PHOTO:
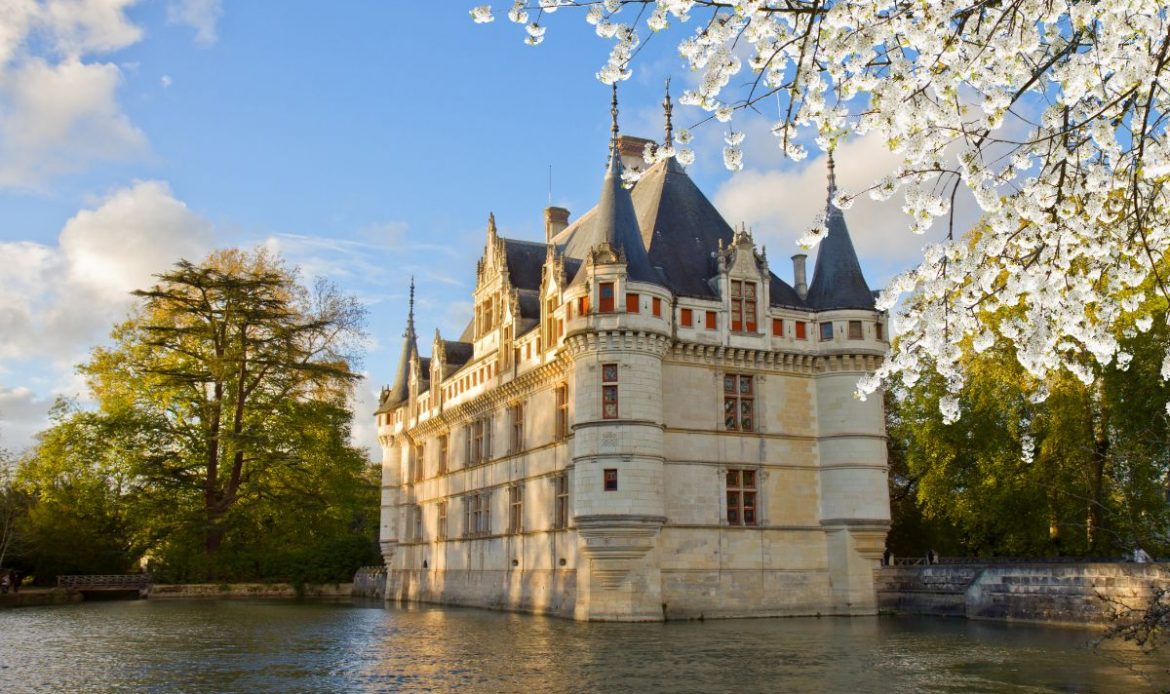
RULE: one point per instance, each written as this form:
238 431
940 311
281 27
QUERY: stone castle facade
642 422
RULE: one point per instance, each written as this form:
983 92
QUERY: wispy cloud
201 15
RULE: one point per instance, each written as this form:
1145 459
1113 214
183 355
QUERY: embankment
1080 594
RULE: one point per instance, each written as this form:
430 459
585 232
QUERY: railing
981 561
106 582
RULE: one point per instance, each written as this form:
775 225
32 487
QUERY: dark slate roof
525 262
782 294
683 230
456 354
529 303
615 220
399 391
837 281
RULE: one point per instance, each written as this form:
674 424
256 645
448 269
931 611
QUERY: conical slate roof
837 281
399 391
618 223
682 230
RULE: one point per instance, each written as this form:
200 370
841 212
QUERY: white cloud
56 301
166 81
59 118
364 434
22 414
58 107
780 205
201 15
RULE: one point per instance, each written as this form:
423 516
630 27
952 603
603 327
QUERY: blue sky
367 141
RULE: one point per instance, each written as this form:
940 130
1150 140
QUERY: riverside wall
187 591
370 582
1075 594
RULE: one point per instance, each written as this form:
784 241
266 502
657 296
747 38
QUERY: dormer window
605 297
486 316
743 306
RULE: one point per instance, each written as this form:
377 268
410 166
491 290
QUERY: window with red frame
743 306
605 297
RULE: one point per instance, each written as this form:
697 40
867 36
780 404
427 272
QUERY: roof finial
832 175
613 128
410 312
666 108
491 223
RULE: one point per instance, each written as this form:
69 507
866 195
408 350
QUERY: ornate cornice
524 384
583 341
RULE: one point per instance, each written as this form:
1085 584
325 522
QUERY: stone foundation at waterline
1077 594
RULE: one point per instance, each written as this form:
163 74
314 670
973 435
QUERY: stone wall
184 591
1051 593
370 582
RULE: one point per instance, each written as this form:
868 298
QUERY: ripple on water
238 646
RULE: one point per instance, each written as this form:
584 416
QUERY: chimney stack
633 151
556 219
799 281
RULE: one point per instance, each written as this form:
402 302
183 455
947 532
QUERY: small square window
777 327
826 331
687 317
711 324
879 331
801 330
610 480
854 330
657 306
631 303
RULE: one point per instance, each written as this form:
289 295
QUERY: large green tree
1062 466
222 426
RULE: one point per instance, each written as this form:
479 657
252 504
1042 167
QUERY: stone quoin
642 422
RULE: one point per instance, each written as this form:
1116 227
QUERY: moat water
225 646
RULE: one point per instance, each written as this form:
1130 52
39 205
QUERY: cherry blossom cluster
1051 116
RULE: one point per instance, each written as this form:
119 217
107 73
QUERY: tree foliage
1056 467
220 445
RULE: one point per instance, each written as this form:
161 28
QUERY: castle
642 422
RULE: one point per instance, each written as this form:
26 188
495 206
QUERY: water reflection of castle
642 422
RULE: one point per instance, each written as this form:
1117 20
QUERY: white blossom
482 14
1049 116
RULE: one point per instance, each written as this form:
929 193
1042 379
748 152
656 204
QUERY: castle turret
399 391
617 344
853 464
837 281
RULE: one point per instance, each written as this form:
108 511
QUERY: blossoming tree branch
1052 115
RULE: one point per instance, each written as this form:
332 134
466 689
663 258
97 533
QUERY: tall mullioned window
562 429
561 510
420 456
741 497
609 391
443 454
739 402
743 306
516 508
479 441
516 413
441 513
416 523
477 514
